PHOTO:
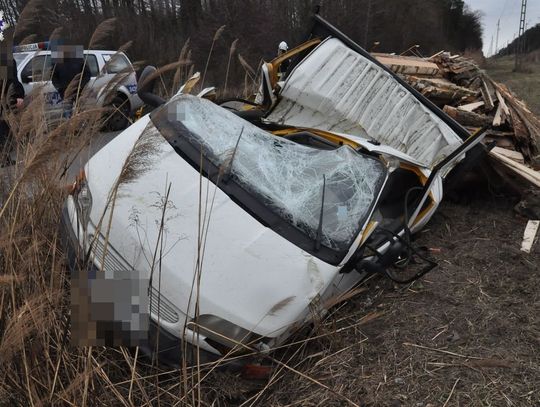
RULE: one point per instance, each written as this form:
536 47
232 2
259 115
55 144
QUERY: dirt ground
467 334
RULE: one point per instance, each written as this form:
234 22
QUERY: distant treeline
531 42
159 29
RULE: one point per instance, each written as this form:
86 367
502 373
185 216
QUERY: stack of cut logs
467 94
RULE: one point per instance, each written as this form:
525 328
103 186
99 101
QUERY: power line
503 9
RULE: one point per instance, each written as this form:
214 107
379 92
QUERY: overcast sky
508 11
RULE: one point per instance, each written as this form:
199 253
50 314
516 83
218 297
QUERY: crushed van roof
338 90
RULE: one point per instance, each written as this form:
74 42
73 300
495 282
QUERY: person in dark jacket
12 89
12 99
69 66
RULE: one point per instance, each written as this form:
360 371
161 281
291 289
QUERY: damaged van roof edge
323 29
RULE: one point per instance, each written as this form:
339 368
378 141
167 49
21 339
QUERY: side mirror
26 79
145 87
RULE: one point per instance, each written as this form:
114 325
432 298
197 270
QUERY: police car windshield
19 58
116 63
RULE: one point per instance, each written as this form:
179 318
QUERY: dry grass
34 306
39 367
216 37
102 34
232 51
179 75
30 16
524 84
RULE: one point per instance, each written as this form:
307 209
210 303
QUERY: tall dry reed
216 37
38 366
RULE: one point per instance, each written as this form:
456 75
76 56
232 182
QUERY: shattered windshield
286 177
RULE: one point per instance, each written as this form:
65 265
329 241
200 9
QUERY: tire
120 116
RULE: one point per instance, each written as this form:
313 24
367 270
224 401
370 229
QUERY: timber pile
467 94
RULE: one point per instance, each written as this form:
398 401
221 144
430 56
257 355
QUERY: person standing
12 100
282 70
15 91
70 72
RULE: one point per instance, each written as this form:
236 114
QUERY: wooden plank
503 142
436 55
486 95
490 88
495 133
513 155
522 136
524 172
445 83
529 235
524 122
441 91
502 102
408 65
471 106
475 84
467 118
465 72
497 120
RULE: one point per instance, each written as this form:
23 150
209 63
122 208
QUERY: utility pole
497 40
521 36
490 51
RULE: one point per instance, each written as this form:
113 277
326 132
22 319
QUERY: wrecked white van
245 229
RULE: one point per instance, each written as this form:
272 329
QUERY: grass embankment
525 84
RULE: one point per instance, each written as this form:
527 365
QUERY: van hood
249 275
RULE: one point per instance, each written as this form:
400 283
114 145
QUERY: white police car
34 69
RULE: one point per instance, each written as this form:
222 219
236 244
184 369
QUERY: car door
94 84
36 77
118 64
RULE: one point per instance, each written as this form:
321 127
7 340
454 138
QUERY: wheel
119 118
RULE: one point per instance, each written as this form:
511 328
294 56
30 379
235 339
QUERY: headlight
224 335
83 199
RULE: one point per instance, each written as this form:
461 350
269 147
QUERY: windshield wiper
319 228
227 173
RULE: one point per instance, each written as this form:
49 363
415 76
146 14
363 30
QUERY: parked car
34 69
249 222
